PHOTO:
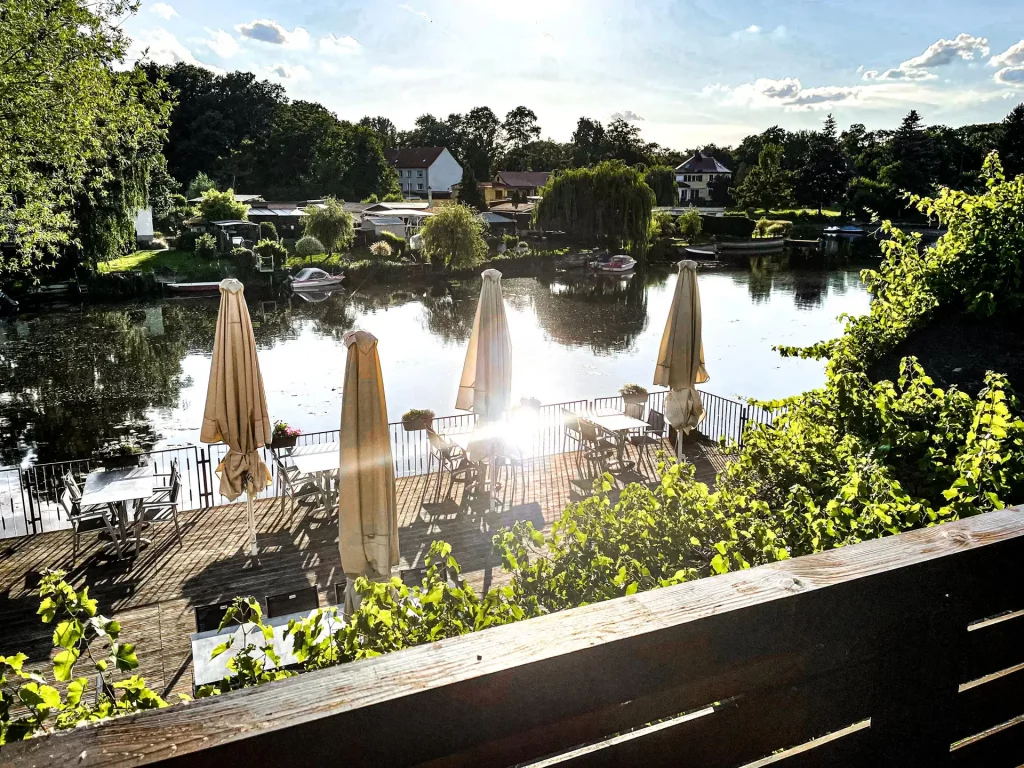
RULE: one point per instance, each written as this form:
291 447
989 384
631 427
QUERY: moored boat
194 287
314 279
700 253
614 264
753 244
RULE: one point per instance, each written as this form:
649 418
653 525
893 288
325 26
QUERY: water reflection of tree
75 381
603 313
333 317
809 288
449 311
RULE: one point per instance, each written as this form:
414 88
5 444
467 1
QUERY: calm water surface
76 378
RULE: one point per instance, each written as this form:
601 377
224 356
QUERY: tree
623 142
767 185
718 189
67 121
469 190
690 223
825 173
222 206
330 223
200 184
520 127
453 237
384 128
308 246
662 181
1011 142
480 130
588 142
609 201
268 231
912 158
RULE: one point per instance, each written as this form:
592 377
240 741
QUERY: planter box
121 462
417 424
283 441
634 405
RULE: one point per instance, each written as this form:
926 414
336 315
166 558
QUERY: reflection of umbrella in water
236 406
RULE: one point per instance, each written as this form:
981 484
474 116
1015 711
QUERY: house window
419 186
419 174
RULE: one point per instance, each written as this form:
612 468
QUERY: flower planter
415 425
121 462
283 441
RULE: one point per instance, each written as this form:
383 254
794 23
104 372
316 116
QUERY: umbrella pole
252 523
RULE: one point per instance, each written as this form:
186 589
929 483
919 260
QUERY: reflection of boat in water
313 279
849 230
753 244
614 264
315 297
707 252
194 288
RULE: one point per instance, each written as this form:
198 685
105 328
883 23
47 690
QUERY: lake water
75 378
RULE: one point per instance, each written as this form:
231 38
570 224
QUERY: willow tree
609 201
662 181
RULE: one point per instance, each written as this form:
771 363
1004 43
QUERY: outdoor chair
305 599
451 461
71 486
509 469
650 438
209 617
571 431
163 501
295 485
95 518
591 461
169 474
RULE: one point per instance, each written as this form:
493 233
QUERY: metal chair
169 474
305 599
509 468
81 519
591 461
295 485
209 617
71 486
451 460
654 435
571 429
162 501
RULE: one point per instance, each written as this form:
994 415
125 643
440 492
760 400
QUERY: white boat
313 279
615 264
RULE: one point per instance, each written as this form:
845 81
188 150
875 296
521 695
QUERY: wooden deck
153 595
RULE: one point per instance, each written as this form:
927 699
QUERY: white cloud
163 10
750 31
790 94
162 47
628 115
296 73
339 46
268 31
222 43
422 14
941 53
1013 76
1011 57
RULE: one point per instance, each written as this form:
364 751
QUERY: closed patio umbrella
236 407
367 509
486 384
681 355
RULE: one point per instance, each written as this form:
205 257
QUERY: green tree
610 201
520 128
268 231
308 246
68 123
825 174
199 185
690 223
589 144
222 206
662 181
912 157
767 185
384 128
1011 142
623 142
453 237
330 223
480 143
469 190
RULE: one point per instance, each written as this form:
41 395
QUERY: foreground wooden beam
883 648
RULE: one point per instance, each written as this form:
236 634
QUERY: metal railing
29 496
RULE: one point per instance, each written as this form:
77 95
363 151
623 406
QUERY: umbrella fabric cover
486 384
236 407
367 510
681 355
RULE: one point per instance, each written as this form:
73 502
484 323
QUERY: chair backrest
438 443
339 591
71 486
210 616
570 420
68 503
656 422
588 431
305 599
175 485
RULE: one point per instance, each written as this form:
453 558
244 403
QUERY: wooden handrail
882 646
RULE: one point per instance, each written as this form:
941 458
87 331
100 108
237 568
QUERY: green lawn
828 213
180 262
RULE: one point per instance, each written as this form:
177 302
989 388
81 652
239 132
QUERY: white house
423 169
695 175
144 226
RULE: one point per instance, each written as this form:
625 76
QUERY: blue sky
687 72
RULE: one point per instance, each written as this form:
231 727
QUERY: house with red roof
425 171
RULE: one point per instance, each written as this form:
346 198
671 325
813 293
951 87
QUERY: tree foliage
308 246
222 206
662 181
768 185
825 174
469 191
690 223
610 201
199 185
453 237
331 224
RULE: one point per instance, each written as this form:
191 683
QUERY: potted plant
635 398
120 456
284 436
417 418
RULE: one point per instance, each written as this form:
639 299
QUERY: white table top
207 670
320 457
465 439
115 485
616 422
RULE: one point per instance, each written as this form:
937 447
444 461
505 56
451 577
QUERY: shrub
381 250
243 255
308 247
510 240
398 244
415 414
632 389
394 197
729 226
272 248
454 237
221 206
371 199
331 224
662 225
186 241
206 246
690 223
268 231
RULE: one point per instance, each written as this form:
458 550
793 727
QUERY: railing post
743 425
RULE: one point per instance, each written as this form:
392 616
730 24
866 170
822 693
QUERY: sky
686 73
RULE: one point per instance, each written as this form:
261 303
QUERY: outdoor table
618 424
115 488
321 460
207 670
502 437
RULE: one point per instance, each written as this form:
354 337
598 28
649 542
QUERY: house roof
238 199
413 157
495 218
509 208
523 178
276 211
701 163
405 205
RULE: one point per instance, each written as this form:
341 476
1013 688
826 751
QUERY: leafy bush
415 414
771 228
453 237
690 223
267 248
206 246
662 225
221 206
243 255
371 199
331 224
398 244
510 240
729 226
381 250
28 705
309 246
268 231
186 241
394 197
